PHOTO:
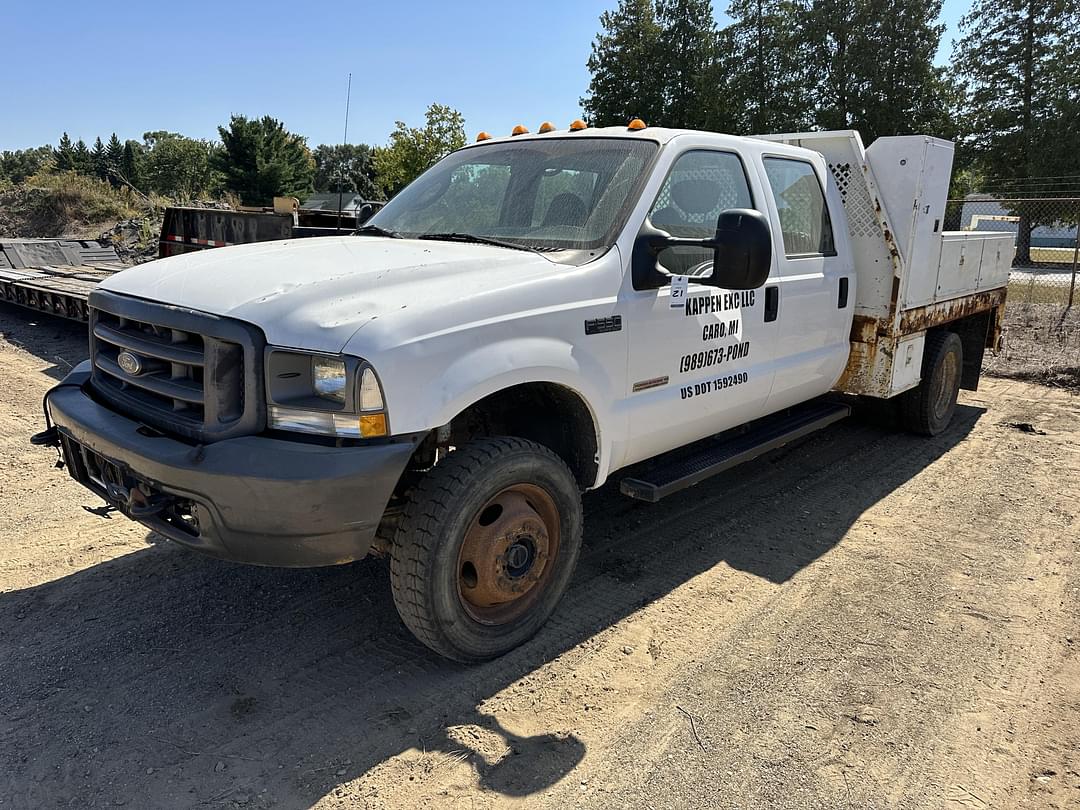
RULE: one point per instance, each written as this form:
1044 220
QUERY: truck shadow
163 679
59 342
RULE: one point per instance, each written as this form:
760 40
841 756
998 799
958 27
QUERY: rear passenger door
813 297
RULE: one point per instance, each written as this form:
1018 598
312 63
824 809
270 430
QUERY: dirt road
864 620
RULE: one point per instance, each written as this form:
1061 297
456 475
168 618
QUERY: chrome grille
183 372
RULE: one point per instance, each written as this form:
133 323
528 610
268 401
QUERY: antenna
344 143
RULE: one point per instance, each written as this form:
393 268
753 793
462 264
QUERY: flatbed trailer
55 275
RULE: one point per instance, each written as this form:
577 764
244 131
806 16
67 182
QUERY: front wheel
486 547
929 408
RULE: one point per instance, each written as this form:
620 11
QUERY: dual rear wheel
929 408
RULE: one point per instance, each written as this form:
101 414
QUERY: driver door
705 366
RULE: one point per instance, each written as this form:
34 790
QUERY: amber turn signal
373 425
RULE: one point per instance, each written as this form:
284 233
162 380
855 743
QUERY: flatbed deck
54 275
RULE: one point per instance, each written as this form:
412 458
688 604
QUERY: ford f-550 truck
530 315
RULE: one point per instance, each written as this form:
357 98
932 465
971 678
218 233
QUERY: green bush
63 204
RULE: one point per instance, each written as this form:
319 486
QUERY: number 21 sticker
679 286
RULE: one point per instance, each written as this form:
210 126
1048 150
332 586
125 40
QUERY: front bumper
252 499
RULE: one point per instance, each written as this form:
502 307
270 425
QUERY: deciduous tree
349 168
413 149
174 165
17 165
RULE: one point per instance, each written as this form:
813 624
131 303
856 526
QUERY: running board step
770 433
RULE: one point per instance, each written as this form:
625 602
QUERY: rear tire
929 408
486 547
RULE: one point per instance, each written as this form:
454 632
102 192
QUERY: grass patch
1041 291
64 204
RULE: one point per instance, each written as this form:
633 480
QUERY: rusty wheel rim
508 556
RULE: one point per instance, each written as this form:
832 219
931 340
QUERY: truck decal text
719 302
712 357
712 386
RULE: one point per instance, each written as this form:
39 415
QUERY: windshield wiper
474 239
375 230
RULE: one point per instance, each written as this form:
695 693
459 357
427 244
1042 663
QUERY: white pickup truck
529 316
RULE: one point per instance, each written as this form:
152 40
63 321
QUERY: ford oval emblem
130 363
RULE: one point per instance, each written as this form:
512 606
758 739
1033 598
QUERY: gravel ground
865 619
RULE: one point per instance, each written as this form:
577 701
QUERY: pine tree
762 79
687 52
97 159
905 92
260 159
625 64
129 164
1018 62
65 155
875 60
114 158
83 160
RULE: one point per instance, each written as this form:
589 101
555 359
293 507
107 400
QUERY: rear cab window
800 204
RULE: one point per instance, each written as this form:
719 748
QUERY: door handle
772 303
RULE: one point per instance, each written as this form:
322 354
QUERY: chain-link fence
1042 315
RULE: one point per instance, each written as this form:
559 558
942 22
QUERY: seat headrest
696 196
566 209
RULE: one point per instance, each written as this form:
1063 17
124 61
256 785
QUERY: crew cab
529 316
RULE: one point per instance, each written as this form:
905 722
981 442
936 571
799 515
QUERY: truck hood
316 293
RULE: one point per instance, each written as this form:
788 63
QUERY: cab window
700 185
800 203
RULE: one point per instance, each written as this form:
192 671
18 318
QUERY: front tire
486 547
929 408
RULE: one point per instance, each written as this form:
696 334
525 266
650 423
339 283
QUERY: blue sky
92 68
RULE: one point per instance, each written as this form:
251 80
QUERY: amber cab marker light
483 136
578 125
636 124
547 126
520 130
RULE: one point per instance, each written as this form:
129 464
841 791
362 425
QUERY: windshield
562 193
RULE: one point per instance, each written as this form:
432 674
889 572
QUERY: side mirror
742 252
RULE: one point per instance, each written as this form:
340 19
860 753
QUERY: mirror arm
647 271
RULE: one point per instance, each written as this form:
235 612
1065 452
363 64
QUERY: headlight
324 394
329 378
